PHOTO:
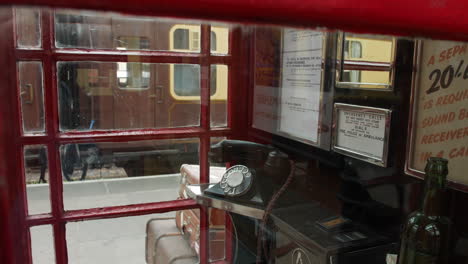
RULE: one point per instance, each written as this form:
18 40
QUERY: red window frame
15 181
368 16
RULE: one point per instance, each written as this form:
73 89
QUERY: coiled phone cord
260 242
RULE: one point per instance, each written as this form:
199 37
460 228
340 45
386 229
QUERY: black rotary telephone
257 171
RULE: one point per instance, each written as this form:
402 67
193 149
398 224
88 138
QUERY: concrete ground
116 241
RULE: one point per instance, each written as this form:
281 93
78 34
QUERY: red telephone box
253 131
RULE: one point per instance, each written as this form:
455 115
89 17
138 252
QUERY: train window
36 173
365 62
31 95
181 38
28 28
353 49
186 80
185 38
122 173
133 75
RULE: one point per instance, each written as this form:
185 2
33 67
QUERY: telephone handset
258 171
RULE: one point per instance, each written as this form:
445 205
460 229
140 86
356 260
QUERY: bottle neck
434 193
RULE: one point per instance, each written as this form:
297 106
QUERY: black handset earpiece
239 152
275 171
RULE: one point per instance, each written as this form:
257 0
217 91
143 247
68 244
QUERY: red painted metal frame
53 138
366 65
8 218
442 19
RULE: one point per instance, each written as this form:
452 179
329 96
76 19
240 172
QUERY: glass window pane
127 95
186 80
137 239
133 75
213 40
219 93
219 40
181 38
107 174
366 48
364 77
42 245
367 61
96 30
132 42
31 94
28 28
37 178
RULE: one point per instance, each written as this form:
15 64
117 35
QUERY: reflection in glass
127 95
42 245
368 48
108 173
367 61
219 94
184 38
28 28
31 95
95 30
181 39
366 76
133 75
37 178
186 80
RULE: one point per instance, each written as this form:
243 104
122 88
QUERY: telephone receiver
257 171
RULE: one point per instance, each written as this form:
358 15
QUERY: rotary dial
236 181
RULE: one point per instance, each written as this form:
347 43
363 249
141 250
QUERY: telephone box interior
133 135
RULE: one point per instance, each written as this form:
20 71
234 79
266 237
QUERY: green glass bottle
425 237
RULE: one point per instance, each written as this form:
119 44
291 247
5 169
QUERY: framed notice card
303 114
362 132
439 122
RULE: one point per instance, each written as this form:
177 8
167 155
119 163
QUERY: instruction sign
440 114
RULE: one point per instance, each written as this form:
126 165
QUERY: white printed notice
361 132
301 84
